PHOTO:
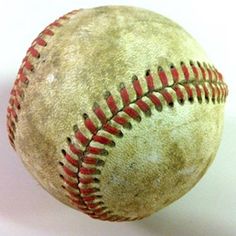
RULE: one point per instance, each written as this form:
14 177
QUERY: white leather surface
209 209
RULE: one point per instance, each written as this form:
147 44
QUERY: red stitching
86 181
217 92
83 197
220 76
102 139
174 73
155 100
143 106
74 149
40 41
132 113
90 160
198 91
74 196
22 80
205 91
85 173
69 172
185 71
92 205
162 76
98 211
100 113
28 65
17 94
111 103
213 91
195 71
111 129
167 96
96 150
63 18
215 74
13 92
149 80
20 94
79 203
56 24
89 124
209 73
33 52
202 70
87 191
188 90
70 159
137 86
90 198
120 120
124 95
179 93
81 138
71 184
47 32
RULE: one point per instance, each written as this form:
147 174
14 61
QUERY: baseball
116 111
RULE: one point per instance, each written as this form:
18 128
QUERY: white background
209 209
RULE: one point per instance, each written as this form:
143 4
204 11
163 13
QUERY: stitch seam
90 158
27 66
81 168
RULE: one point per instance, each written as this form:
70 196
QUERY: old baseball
116 111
